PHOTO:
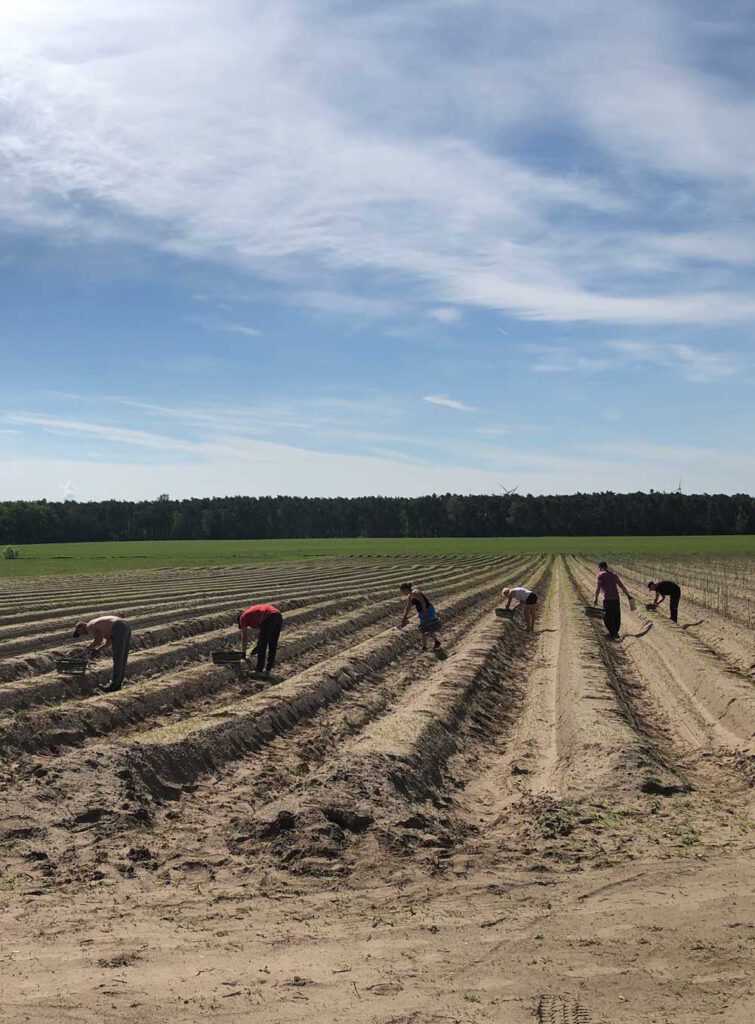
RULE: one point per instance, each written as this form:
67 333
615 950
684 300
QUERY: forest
435 515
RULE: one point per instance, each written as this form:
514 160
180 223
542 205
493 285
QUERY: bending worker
527 599
108 630
608 584
667 589
269 621
428 618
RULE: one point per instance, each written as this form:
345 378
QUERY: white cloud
449 403
686 361
693 364
554 360
445 314
238 329
121 463
201 130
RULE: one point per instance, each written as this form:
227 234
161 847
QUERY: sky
330 248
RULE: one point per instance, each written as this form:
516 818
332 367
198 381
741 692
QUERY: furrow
196 639
75 721
127 776
400 758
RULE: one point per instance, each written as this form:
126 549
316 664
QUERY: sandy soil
535 827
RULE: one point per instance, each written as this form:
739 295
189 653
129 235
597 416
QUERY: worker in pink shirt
608 584
268 620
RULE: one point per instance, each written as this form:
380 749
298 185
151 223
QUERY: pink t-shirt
606 581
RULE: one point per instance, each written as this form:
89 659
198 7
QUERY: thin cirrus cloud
198 130
216 462
689 362
253 332
447 403
694 364
445 314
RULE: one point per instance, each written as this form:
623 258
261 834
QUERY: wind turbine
508 491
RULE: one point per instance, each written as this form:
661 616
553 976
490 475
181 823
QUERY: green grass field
45 559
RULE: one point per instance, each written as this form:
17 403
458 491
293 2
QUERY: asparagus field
543 826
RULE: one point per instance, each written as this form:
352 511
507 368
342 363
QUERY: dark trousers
612 616
673 604
121 637
270 630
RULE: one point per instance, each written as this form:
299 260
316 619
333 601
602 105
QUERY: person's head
602 565
505 592
80 630
651 585
406 588
238 619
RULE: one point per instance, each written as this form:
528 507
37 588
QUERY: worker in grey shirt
108 630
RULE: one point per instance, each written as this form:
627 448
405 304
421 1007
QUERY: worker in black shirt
666 589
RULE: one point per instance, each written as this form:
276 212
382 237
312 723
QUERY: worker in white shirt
527 599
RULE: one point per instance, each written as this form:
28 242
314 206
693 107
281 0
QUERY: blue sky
325 248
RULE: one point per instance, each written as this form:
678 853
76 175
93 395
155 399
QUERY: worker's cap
602 565
81 628
651 585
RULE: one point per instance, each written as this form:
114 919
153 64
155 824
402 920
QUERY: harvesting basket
71 666
227 657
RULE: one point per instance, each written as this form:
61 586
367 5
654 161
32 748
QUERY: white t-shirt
521 594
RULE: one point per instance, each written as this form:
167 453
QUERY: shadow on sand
643 632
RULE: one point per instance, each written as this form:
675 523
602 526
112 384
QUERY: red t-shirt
254 617
606 581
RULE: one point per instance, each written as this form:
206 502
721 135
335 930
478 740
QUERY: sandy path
569 736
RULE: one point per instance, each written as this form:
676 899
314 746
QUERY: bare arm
508 600
597 592
407 609
244 638
623 587
659 598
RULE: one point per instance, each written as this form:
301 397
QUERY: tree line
435 515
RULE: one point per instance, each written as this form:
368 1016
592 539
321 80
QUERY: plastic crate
71 666
227 657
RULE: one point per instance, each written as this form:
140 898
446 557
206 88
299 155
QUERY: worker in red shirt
269 621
